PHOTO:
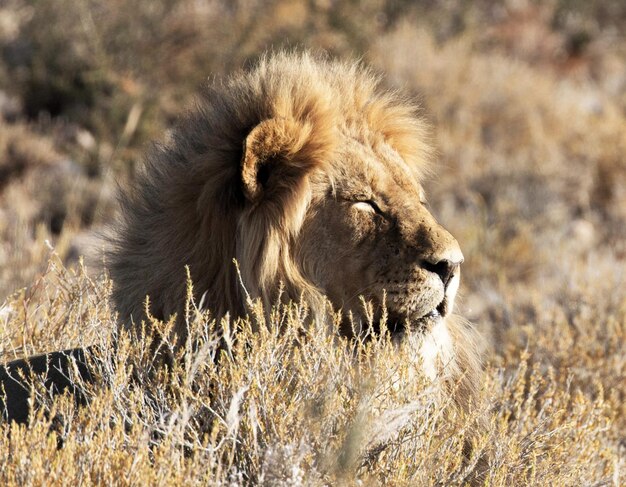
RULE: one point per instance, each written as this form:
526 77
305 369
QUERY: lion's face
368 234
307 173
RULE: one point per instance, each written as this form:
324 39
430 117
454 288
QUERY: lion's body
308 173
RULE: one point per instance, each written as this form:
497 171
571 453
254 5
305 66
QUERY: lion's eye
369 206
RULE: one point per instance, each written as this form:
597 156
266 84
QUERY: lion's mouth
399 325
442 308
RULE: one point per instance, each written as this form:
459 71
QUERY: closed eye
369 206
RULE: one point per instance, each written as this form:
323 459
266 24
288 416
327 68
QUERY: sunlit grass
283 401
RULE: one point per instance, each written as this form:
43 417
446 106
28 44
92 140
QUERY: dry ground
528 106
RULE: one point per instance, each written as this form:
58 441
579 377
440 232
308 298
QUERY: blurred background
527 100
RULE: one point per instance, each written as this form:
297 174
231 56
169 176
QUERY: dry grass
529 108
291 405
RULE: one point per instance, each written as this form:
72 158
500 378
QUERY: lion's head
367 233
308 172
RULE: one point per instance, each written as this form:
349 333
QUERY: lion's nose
444 268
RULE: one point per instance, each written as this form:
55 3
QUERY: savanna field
527 103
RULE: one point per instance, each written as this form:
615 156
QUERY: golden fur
307 171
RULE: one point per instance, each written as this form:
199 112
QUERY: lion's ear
277 153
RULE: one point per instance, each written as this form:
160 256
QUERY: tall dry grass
528 106
290 404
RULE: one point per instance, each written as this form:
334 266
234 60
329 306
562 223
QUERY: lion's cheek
361 227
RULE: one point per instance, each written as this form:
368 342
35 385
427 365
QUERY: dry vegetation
528 101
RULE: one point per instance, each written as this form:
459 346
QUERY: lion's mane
187 206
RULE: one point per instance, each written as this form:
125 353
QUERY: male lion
308 173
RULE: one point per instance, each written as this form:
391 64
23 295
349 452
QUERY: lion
308 172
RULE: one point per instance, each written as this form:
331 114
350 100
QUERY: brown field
528 106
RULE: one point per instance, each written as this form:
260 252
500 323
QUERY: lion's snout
445 269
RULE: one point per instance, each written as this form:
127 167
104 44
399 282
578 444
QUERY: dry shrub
44 196
292 405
